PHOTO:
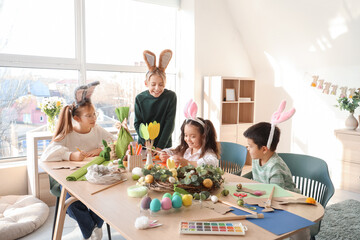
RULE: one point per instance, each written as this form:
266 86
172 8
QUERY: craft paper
79 175
279 192
124 137
278 222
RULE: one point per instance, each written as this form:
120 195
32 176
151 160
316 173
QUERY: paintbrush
230 218
268 207
154 150
238 207
121 181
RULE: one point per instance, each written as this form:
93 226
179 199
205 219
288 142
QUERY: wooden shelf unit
230 118
350 161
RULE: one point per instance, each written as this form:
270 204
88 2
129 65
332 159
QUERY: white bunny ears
190 112
83 93
278 117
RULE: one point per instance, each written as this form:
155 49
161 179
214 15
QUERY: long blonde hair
64 125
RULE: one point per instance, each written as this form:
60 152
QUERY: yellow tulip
154 130
58 103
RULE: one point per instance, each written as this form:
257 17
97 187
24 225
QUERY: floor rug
341 221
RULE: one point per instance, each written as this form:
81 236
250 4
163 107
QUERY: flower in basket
51 107
349 103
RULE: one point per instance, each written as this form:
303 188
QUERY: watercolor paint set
212 228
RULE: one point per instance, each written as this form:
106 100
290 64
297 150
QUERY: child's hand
164 156
94 152
77 156
180 160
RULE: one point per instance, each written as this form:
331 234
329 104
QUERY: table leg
60 218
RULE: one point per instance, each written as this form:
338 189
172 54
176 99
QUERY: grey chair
232 157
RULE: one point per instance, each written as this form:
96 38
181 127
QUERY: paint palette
213 228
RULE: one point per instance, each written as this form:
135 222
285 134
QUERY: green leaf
187 181
146 171
194 178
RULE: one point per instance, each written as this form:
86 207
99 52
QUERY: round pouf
21 215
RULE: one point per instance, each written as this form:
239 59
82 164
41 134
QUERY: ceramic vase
351 123
149 160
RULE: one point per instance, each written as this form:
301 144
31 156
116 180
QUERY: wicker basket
169 187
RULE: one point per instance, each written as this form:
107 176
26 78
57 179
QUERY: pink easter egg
166 203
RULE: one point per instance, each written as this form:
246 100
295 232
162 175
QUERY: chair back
232 157
311 176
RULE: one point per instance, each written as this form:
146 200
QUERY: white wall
13 179
217 46
302 38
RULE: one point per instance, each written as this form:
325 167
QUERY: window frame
79 62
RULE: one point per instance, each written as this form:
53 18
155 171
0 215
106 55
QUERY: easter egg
172 180
145 202
187 200
135 177
155 205
208 183
137 171
176 201
168 195
166 203
149 178
176 194
214 199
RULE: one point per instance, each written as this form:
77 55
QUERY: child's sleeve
138 119
277 177
56 152
169 125
208 159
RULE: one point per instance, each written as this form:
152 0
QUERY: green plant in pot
350 104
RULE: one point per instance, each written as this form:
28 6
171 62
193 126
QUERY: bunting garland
325 87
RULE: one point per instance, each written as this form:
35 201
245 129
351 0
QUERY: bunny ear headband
190 111
83 93
278 117
150 59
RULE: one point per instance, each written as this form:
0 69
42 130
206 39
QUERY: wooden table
120 211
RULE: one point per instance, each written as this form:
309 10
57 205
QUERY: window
42 54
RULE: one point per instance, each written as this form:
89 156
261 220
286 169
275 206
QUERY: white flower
51 106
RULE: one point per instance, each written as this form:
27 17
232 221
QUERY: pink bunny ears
278 117
190 112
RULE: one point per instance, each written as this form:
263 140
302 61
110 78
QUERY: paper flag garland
325 87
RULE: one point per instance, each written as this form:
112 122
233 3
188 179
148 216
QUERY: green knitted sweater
162 110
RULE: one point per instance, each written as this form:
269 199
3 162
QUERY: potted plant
350 104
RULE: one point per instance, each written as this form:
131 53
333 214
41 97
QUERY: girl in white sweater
75 142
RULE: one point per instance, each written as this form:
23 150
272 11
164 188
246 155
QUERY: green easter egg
175 194
168 195
135 177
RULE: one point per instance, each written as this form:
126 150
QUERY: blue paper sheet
277 222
